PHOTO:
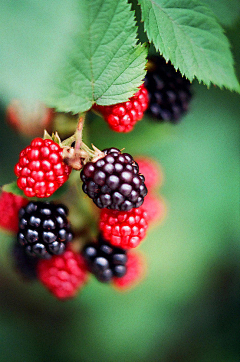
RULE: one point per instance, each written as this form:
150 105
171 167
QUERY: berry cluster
116 183
117 186
122 117
44 251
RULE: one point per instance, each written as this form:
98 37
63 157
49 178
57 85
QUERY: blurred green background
188 307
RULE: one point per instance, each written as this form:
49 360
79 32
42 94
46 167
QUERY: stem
78 133
79 155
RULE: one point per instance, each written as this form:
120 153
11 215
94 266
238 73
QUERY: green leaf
14 189
104 64
227 12
187 33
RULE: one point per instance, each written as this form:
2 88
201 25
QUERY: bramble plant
120 60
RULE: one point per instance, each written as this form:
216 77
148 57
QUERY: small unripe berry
122 117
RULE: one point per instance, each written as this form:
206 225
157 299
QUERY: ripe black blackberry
44 229
24 264
114 181
104 260
169 92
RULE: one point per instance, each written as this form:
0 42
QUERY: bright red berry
41 170
136 270
125 229
122 117
151 171
10 205
29 119
155 208
63 275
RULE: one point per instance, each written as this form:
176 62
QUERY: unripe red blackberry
63 275
125 229
41 170
114 181
122 117
104 260
169 91
44 229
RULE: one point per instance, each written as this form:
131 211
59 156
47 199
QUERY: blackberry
24 264
44 229
114 181
104 260
169 92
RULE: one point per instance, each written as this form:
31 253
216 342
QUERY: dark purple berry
44 229
114 181
169 92
104 260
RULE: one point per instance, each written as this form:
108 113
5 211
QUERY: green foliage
104 64
227 12
187 33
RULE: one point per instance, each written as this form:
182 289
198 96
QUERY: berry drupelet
169 92
41 170
114 181
122 117
44 229
104 260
